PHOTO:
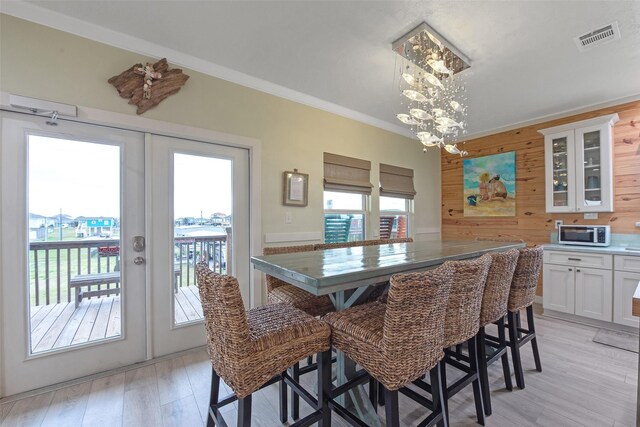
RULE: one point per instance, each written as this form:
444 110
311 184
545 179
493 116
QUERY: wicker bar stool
355 243
494 310
279 291
252 349
522 296
397 342
462 325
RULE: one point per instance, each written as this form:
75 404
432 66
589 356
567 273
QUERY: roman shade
396 182
347 174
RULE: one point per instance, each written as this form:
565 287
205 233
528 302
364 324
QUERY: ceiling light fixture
434 92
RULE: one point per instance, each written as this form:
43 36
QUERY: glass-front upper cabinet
578 166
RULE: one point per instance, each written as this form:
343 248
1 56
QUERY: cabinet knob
571 269
578 270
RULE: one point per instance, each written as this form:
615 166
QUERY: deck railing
53 264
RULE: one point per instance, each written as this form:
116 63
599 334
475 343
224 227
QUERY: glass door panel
74 242
201 219
560 172
592 168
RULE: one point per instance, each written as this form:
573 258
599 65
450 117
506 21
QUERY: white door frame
91 115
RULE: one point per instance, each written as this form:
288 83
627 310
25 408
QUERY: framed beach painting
490 185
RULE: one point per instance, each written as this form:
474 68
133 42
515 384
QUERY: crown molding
553 116
58 21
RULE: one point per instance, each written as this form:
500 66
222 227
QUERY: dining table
347 275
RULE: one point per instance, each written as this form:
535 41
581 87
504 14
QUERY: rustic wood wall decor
147 86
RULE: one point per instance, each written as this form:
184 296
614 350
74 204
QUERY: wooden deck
60 325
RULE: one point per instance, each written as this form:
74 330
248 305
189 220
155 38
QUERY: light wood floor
582 384
59 325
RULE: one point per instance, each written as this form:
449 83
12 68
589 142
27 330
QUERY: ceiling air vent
597 37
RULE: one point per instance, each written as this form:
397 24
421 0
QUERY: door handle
138 260
574 259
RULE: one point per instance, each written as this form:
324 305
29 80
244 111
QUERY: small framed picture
296 187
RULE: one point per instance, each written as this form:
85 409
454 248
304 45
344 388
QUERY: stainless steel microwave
586 235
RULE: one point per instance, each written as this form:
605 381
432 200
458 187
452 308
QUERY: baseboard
589 322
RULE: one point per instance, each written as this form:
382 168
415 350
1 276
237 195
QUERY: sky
83 179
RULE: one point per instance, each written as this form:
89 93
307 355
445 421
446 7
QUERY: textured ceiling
525 64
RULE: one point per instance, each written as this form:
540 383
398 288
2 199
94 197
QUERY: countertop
610 250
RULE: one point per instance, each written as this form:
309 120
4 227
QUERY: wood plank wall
531 223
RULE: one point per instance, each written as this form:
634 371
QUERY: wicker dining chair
356 243
399 341
522 295
462 325
279 291
252 349
494 309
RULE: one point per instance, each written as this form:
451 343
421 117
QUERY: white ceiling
337 55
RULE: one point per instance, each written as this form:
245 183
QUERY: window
346 183
394 217
344 216
396 194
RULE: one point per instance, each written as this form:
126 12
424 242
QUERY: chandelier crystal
434 93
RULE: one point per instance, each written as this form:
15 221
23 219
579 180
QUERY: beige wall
40 62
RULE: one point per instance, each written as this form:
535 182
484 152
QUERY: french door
101 229
199 208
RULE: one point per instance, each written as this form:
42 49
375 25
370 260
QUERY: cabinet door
558 288
593 169
624 286
560 172
594 293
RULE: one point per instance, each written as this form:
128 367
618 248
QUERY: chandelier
433 92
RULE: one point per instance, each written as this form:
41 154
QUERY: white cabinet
594 293
558 283
572 285
626 278
578 166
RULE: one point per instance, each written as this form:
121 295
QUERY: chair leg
324 387
534 341
483 373
505 359
373 392
477 393
295 399
244 412
391 409
283 401
518 324
515 350
309 360
213 396
445 392
380 395
437 394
